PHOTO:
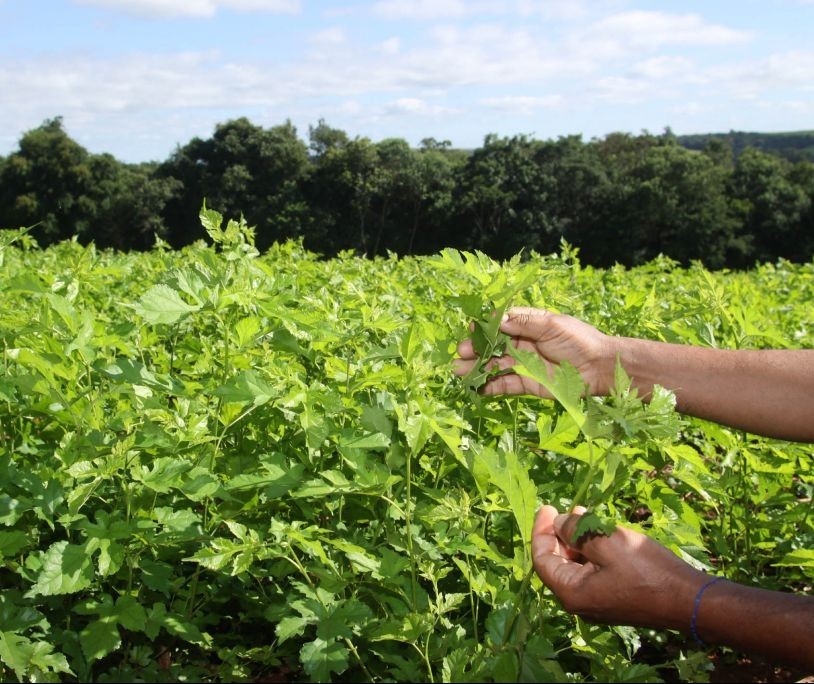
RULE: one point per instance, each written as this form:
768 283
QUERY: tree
323 137
340 193
501 190
54 182
773 206
428 190
47 182
242 169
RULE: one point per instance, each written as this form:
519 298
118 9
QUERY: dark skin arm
627 578
766 392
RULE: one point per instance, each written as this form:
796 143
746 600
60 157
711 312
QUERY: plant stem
507 631
586 481
408 518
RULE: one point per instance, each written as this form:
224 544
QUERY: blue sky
137 77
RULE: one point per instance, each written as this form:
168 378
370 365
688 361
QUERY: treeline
622 199
795 146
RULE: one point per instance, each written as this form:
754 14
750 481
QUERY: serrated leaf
343 619
591 524
247 330
162 304
247 387
503 469
292 625
99 638
320 658
15 652
66 569
130 614
563 381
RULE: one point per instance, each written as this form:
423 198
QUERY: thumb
550 557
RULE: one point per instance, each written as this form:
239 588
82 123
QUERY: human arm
767 392
627 578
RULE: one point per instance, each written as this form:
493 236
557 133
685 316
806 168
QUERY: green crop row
217 465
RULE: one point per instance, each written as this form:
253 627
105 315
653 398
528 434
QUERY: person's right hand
622 579
556 338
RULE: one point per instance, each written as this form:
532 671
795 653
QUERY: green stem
586 481
361 662
473 603
518 598
408 519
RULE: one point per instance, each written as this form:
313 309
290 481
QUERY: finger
544 525
544 522
598 548
504 384
466 349
462 366
525 322
564 577
546 550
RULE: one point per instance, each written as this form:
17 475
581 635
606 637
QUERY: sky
137 78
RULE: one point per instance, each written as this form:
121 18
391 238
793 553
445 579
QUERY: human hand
556 338
622 579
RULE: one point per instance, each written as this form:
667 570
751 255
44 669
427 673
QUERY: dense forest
621 199
794 146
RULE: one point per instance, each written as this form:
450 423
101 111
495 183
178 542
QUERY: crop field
217 465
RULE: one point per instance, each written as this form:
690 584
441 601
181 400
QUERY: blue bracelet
695 609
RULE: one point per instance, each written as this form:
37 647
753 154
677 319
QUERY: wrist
680 596
638 359
615 348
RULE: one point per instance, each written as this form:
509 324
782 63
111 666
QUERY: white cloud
665 66
776 72
524 105
624 90
431 9
450 9
554 9
162 9
329 37
391 46
628 33
413 105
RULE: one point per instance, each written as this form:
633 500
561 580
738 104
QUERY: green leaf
365 441
563 382
591 524
66 569
276 477
99 638
803 558
130 614
503 470
290 626
11 543
343 619
211 220
28 659
165 474
15 652
247 387
162 304
320 658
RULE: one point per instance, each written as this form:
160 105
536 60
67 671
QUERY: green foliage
217 465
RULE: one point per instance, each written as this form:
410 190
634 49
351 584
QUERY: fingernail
505 318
